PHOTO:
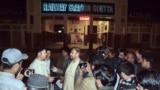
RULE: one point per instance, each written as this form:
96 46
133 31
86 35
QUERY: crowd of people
105 69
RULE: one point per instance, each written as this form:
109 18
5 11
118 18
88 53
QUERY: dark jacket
127 85
52 63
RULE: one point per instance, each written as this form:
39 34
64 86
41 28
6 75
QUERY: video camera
82 65
27 72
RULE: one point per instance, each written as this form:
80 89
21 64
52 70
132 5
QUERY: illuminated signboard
77 7
84 18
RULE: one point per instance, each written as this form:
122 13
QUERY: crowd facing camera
27 72
82 65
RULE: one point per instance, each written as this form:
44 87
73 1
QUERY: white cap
12 56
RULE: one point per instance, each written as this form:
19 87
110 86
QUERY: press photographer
85 79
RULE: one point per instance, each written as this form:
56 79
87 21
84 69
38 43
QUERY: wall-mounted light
59 31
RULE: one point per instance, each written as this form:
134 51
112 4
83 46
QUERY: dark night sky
12 8
17 8
146 6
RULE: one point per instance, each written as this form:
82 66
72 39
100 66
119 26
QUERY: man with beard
71 73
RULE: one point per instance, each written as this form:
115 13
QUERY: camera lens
83 65
27 72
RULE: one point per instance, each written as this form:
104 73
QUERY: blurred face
121 56
64 54
48 54
111 55
106 52
43 54
130 58
145 64
74 54
17 67
20 66
139 57
84 70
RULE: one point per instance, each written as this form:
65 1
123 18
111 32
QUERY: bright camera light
59 31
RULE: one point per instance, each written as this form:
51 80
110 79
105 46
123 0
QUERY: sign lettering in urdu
77 7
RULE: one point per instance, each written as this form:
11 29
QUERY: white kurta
69 76
40 67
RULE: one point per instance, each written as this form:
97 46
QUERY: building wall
119 30
120 17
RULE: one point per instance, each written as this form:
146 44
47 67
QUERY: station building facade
97 21
80 22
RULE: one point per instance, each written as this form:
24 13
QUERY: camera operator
103 51
104 77
85 78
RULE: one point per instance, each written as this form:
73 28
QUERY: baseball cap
12 56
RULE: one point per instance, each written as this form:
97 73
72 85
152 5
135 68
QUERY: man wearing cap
11 60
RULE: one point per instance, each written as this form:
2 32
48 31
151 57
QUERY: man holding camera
12 61
85 79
